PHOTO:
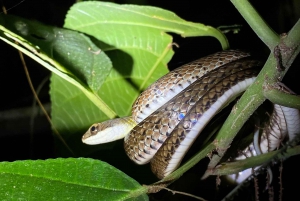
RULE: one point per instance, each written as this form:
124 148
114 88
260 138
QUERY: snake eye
94 129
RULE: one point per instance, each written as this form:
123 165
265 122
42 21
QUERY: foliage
105 55
66 179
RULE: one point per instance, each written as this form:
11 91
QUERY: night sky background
16 96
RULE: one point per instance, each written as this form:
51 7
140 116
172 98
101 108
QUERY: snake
171 113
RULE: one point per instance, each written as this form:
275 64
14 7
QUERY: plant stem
294 35
238 166
258 25
254 96
292 42
282 98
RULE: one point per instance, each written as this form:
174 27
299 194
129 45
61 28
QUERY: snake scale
169 115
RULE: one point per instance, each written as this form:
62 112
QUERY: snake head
108 131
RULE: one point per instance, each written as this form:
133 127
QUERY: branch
238 166
254 97
281 98
258 25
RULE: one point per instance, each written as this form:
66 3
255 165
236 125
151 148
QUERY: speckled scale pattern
147 137
163 155
155 95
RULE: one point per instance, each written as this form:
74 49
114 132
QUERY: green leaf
111 16
66 179
135 39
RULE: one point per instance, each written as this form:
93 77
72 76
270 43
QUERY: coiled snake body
169 115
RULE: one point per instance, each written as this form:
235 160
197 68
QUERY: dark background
16 126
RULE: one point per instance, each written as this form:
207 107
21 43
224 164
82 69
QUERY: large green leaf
66 179
135 39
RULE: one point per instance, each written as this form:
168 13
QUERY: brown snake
173 111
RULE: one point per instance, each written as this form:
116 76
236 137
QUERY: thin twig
40 104
34 113
178 192
5 11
